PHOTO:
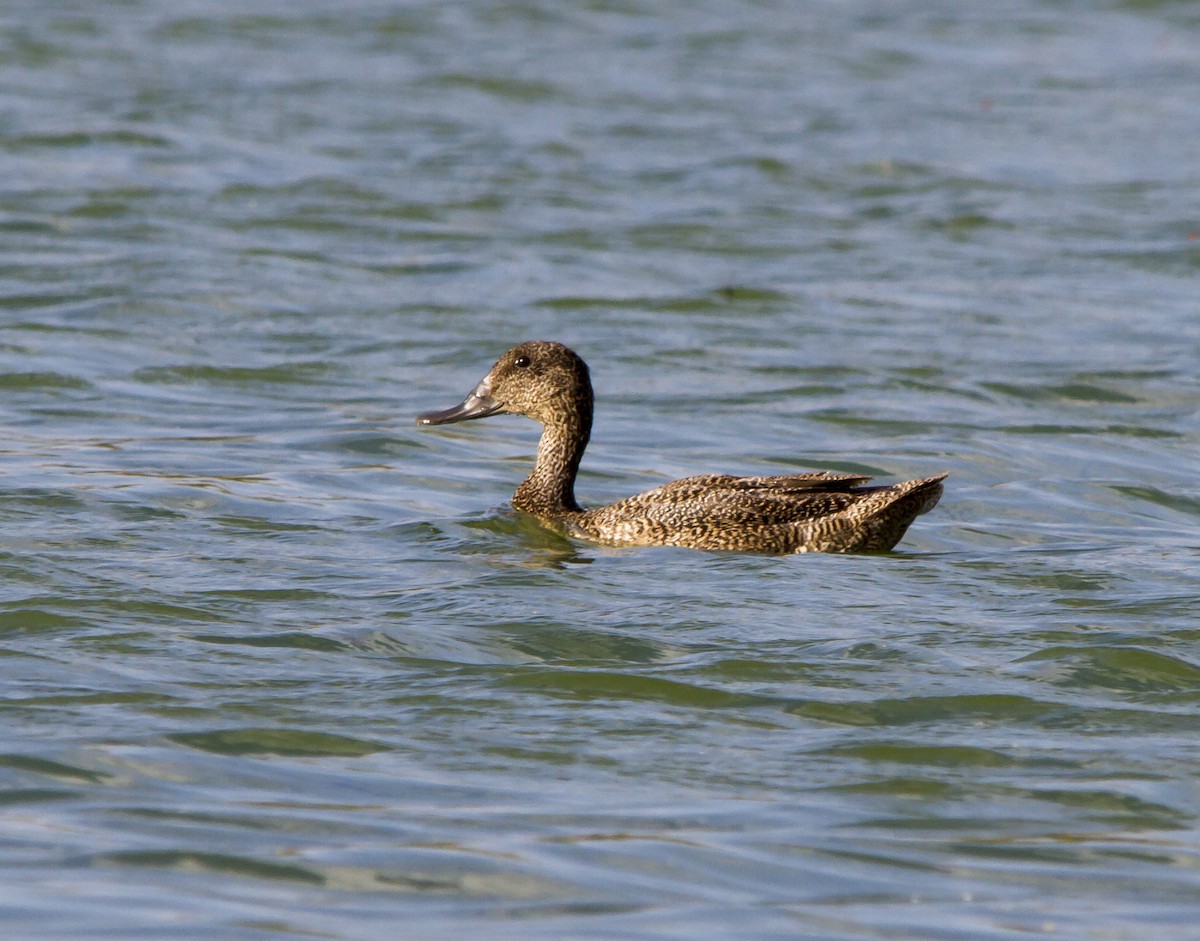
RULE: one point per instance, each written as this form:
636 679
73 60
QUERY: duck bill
476 405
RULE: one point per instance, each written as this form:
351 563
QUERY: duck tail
879 520
898 506
925 492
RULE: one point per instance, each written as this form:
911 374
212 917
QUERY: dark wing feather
787 483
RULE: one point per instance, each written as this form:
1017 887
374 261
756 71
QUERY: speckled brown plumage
816 512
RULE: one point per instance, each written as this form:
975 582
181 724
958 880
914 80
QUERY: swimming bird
813 512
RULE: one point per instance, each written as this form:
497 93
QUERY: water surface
277 663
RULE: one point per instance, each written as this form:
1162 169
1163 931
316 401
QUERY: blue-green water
278 664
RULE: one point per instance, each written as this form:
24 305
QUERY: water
277 663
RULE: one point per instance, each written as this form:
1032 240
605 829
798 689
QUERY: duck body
814 512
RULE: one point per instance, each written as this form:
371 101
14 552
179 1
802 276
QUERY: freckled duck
814 512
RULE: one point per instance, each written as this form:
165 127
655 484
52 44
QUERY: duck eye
521 361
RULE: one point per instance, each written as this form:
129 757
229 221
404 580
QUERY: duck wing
723 500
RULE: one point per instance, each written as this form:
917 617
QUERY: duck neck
549 491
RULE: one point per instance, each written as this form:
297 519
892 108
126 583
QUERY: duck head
542 380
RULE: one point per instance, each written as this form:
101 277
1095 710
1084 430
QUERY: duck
819 511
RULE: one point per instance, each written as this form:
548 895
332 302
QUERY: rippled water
277 663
